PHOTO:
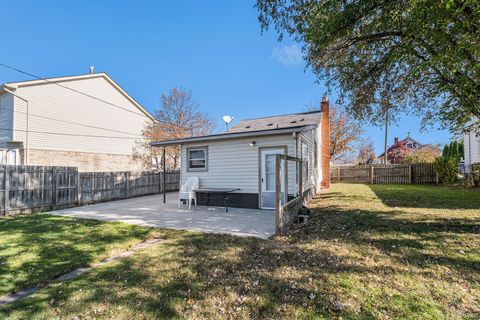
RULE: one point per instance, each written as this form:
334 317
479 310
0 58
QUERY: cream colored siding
6 118
234 163
314 172
53 101
472 150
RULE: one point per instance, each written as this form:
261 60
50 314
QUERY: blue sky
214 48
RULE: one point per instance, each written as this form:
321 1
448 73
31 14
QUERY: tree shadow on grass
195 275
397 234
200 275
37 248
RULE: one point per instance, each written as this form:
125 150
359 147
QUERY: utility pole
386 135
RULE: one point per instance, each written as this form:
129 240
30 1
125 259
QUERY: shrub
447 169
474 176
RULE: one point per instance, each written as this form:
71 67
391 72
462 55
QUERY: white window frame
202 148
9 157
12 157
3 156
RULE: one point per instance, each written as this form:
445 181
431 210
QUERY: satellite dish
227 119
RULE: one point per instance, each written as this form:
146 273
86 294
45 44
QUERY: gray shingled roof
278 122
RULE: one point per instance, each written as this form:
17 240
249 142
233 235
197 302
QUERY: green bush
475 175
447 169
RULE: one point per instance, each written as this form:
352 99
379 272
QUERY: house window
12 157
197 159
8 157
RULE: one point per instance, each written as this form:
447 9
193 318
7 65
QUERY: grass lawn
36 248
375 252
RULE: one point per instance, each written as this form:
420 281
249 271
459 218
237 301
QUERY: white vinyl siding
235 163
52 101
472 150
308 139
6 118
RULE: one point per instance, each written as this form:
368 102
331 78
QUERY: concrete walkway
151 211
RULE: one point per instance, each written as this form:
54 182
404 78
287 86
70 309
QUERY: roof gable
103 75
411 140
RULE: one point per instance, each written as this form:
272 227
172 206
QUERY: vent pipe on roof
92 68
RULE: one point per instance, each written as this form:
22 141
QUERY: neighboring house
86 121
411 144
244 156
472 149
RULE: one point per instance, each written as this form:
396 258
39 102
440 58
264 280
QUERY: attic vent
270 124
294 121
302 119
247 127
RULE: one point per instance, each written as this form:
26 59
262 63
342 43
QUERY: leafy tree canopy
420 56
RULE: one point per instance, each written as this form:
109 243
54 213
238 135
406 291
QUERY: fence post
410 176
127 184
437 178
278 204
78 188
338 174
371 174
7 190
54 188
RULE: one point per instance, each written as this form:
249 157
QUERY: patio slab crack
9 298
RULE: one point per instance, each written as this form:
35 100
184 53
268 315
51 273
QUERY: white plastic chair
186 192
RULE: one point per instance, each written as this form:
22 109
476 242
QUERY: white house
472 149
244 157
87 121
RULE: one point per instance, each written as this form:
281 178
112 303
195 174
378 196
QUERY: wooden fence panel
43 188
65 186
29 188
422 173
398 174
360 174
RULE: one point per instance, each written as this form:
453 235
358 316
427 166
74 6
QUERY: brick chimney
325 129
395 140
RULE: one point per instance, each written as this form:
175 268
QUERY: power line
70 122
70 134
71 89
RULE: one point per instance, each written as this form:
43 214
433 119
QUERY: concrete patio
151 211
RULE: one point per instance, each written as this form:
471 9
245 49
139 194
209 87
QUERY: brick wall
325 108
83 160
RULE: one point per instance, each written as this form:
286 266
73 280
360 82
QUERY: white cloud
288 55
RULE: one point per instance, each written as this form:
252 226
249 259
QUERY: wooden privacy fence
42 188
418 173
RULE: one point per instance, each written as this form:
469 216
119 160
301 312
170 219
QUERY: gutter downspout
27 151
